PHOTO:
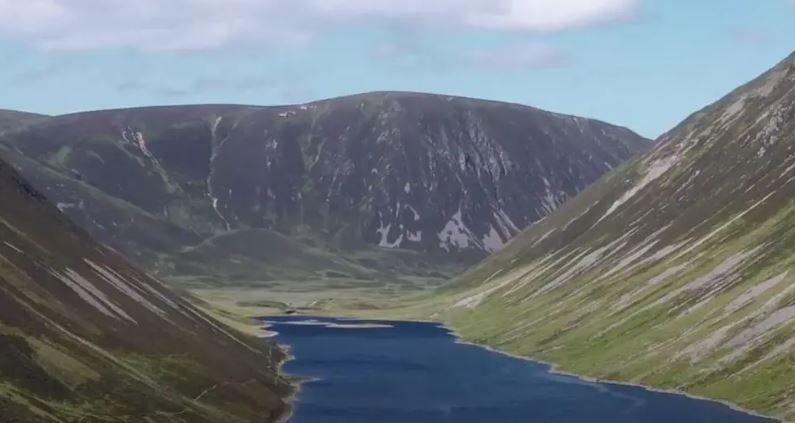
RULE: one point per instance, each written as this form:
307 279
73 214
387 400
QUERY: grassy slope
676 271
77 332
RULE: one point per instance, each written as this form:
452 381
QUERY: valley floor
238 306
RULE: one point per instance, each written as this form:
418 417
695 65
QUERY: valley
158 185
665 265
357 211
673 272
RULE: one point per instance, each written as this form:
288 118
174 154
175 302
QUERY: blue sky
645 64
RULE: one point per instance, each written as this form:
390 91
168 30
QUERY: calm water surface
407 372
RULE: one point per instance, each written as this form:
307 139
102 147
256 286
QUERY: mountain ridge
373 172
364 94
11 120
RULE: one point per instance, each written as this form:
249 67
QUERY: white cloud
206 25
554 15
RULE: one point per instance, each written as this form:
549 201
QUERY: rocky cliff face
675 271
77 325
410 170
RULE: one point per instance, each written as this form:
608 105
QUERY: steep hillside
85 337
175 187
676 271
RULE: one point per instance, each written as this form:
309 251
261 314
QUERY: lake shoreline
552 368
555 368
296 382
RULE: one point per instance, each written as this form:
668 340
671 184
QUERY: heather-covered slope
85 337
676 271
208 189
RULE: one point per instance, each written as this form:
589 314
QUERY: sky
644 64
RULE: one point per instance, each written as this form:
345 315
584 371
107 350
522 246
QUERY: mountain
13 120
676 271
86 337
227 189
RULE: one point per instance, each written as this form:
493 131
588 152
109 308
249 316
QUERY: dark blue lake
411 372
